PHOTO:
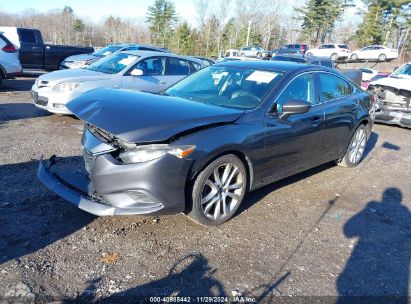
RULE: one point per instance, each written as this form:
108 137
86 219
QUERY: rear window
177 66
333 87
27 36
343 46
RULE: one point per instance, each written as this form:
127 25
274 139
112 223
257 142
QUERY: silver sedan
136 70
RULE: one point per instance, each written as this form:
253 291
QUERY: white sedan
376 52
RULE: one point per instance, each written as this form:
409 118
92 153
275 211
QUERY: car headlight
146 153
66 86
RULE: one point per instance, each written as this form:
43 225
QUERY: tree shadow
31 216
16 111
379 267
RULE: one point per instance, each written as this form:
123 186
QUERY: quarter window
301 88
333 87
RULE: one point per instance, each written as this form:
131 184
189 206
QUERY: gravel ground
318 236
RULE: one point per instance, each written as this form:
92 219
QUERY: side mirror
137 72
294 106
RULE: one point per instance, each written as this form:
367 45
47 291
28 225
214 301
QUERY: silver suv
9 59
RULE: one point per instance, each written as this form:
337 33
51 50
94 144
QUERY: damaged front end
110 186
392 105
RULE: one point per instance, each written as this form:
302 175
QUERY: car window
300 88
177 66
343 46
197 66
108 50
27 36
153 66
333 87
232 87
113 63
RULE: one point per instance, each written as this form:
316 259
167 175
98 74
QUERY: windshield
113 64
105 51
232 87
405 70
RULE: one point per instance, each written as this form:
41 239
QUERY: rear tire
382 57
309 54
354 57
259 55
334 57
218 191
242 55
355 149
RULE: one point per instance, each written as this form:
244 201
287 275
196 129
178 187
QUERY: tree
184 38
162 18
319 16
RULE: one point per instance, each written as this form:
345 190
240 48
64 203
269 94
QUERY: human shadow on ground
379 267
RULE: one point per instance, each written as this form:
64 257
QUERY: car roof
144 54
277 66
138 44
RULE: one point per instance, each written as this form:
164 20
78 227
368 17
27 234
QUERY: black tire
309 54
354 57
382 57
348 160
225 204
334 57
259 55
242 55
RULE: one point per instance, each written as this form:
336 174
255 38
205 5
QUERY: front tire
309 54
218 191
354 57
356 148
259 55
334 57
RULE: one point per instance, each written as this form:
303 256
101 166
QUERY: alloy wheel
222 191
357 146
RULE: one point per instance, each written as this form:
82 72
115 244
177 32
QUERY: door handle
161 82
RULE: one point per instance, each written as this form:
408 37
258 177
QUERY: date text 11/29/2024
206 299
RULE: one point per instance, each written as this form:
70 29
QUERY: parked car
207 61
367 74
35 54
229 53
296 48
365 84
393 95
375 52
9 60
202 145
333 51
136 70
83 60
354 75
253 51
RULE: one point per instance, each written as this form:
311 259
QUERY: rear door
294 143
340 108
31 49
152 79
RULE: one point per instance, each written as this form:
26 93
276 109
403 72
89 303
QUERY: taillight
9 48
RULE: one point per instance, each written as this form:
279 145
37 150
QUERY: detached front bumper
113 189
393 115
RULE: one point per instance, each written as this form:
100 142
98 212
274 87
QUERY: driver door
151 78
293 144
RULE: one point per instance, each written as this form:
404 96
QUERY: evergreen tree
162 18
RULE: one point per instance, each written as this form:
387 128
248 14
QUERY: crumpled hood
138 117
82 57
400 83
74 75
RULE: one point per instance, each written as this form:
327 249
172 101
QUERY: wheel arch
2 72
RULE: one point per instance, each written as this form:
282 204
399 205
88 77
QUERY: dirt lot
314 237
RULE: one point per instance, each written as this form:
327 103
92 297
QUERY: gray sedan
137 70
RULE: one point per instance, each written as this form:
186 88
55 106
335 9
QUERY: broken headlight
146 153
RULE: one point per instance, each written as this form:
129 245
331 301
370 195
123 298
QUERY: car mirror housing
294 106
137 72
